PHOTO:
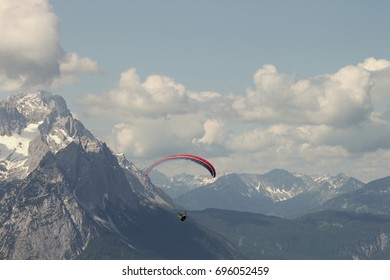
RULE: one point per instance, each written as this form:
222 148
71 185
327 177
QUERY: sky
249 85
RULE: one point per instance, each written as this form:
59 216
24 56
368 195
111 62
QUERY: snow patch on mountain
279 194
14 151
17 144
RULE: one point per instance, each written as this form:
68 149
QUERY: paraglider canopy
199 160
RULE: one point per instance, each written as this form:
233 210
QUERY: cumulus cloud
319 124
340 99
213 130
143 138
71 66
157 96
30 51
250 141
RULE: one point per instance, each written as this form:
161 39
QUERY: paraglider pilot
182 216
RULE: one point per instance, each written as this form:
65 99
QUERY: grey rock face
65 180
41 219
11 120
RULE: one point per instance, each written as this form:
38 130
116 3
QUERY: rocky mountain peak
61 188
32 124
35 106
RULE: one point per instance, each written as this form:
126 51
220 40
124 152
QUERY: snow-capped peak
35 106
30 103
32 124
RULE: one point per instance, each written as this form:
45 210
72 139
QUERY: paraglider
199 160
196 159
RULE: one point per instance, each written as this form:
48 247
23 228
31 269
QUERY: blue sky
251 85
218 45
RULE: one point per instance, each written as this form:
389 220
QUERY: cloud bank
328 123
30 51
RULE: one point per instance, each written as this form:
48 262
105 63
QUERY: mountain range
64 194
374 197
277 192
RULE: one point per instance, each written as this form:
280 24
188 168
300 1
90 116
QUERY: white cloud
74 64
372 64
250 141
340 99
323 124
157 96
373 165
213 130
30 51
145 138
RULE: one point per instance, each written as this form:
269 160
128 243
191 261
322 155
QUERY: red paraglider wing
196 159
